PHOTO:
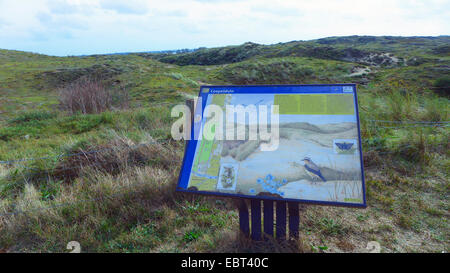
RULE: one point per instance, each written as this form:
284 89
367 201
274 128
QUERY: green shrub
8 133
442 86
191 235
436 109
330 226
78 124
32 116
273 72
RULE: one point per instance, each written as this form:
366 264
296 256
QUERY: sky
82 27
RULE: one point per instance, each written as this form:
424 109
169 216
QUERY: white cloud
125 7
101 26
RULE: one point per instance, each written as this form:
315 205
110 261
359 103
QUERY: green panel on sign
340 104
289 104
312 104
315 104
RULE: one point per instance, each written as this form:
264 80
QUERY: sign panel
296 143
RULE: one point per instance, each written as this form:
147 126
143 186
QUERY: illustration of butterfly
344 146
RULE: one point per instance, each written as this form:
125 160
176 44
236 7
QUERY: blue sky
75 27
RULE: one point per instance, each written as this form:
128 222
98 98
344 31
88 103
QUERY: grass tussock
115 157
89 96
121 198
125 174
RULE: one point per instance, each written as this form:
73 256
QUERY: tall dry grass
118 186
89 96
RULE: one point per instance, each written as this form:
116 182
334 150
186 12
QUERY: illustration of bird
344 146
312 169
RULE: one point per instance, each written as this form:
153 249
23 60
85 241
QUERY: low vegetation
83 160
89 96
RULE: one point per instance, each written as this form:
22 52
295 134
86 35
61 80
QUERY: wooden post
281 220
243 218
190 104
294 220
256 219
268 217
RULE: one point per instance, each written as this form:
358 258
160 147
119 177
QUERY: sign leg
243 218
268 217
190 104
294 220
256 219
281 220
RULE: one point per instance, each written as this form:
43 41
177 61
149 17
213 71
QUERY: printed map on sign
317 158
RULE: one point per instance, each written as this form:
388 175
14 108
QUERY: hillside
107 179
360 49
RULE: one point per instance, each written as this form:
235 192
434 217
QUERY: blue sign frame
189 154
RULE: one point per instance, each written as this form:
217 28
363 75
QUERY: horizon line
188 50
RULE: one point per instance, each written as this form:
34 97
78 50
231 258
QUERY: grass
117 194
